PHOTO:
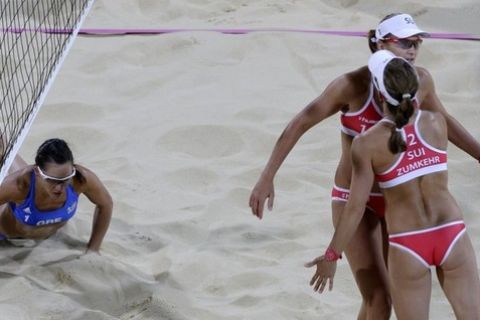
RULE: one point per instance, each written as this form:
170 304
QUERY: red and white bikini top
417 160
354 123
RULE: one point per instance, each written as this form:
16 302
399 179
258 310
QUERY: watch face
330 255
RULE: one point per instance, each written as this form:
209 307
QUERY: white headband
376 64
401 26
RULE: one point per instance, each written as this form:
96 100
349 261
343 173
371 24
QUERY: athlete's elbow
299 125
106 205
293 131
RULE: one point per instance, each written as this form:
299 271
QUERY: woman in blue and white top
37 200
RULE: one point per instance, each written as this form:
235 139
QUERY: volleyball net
35 37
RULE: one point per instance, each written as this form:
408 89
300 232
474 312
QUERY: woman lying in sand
353 95
406 153
37 200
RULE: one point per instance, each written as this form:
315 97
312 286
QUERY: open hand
262 190
324 273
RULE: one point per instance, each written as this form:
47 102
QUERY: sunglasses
56 180
405 43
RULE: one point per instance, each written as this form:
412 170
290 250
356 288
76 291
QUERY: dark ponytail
401 82
372 41
402 113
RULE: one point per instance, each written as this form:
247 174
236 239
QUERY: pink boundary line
120 32
113 32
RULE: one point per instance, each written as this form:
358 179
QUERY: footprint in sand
62 113
259 114
202 141
193 179
153 308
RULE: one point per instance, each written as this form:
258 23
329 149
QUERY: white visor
376 64
401 26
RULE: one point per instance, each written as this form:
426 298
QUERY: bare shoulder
88 183
433 116
422 72
353 82
22 177
364 143
83 170
85 177
359 74
424 76
434 119
376 132
360 142
17 184
345 90
359 79
375 140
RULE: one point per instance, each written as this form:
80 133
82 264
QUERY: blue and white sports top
27 213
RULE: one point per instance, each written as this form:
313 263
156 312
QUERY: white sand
179 127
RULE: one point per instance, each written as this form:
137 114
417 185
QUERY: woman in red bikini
406 153
353 95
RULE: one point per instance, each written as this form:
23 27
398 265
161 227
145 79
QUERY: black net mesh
35 36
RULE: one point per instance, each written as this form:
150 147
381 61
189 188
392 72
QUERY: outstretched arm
100 197
327 104
362 181
457 134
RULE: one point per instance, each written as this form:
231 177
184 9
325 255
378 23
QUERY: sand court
179 126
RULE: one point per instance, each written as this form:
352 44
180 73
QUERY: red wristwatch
330 255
